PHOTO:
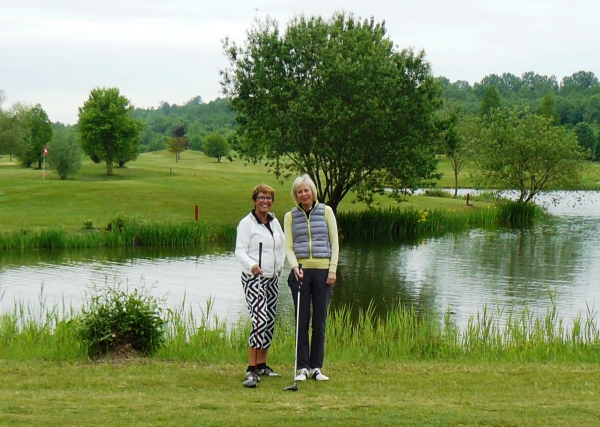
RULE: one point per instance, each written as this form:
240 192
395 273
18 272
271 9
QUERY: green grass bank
157 189
153 393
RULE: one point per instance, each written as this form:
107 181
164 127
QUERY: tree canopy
216 145
519 150
490 101
14 134
334 99
64 153
178 142
107 128
40 134
586 137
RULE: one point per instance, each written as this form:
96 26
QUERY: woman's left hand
331 278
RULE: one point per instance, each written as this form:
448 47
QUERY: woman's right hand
256 270
299 273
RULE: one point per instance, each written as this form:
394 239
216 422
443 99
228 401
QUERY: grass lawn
156 187
151 393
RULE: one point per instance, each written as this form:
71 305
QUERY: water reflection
189 277
375 272
457 272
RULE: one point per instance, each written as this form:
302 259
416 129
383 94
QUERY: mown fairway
150 393
154 186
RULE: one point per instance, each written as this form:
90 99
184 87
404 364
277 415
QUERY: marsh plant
122 231
401 222
121 320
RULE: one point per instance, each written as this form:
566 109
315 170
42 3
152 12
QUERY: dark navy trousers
315 294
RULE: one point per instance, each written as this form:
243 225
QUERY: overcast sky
53 52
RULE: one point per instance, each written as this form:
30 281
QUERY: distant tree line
573 103
195 118
573 100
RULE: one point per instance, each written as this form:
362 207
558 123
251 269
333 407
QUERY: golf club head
251 383
293 387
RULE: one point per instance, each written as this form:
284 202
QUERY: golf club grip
260 254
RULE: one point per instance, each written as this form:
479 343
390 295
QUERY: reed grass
150 234
43 333
398 222
354 336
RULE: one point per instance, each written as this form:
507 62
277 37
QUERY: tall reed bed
493 334
43 333
151 234
208 338
398 222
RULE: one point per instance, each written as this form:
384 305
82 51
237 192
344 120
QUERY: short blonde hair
263 188
303 180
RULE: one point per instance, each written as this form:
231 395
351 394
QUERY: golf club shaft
297 323
260 246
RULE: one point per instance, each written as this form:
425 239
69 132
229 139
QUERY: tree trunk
109 167
455 183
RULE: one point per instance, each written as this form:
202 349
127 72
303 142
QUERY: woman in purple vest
311 240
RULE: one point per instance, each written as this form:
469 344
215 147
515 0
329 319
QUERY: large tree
216 145
459 134
14 134
490 102
107 128
64 152
40 134
522 151
178 142
586 138
547 108
334 99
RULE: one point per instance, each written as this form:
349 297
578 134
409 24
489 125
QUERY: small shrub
88 224
487 196
436 192
122 220
116 320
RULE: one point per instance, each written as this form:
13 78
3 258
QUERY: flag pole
44 163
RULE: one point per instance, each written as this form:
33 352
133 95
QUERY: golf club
253 382
294 387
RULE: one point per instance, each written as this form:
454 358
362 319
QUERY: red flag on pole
45 151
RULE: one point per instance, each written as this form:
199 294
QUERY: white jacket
249 234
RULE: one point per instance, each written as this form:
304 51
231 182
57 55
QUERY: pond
459 272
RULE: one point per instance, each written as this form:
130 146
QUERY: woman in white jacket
260 248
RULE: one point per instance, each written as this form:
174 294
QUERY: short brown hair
263 188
